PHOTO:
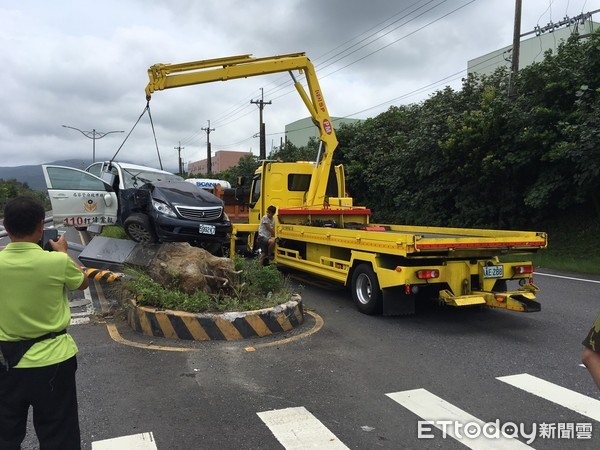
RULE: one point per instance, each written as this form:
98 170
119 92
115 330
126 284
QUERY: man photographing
37 360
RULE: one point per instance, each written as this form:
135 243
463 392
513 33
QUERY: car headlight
163 208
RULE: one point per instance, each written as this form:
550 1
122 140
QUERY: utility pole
514 70
208 152
261 104
179 148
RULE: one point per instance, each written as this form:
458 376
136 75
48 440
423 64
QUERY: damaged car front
175 211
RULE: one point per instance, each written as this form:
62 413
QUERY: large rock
191 269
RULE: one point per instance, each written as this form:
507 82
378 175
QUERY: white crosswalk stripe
142 441
82 310
296 428
447 417
572 400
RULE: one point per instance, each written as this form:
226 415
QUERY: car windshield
135 178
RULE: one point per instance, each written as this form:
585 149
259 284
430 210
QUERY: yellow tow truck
321 232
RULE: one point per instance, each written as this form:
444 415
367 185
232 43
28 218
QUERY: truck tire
139 229
366 293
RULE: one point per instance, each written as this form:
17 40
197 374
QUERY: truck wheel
365 290
139 229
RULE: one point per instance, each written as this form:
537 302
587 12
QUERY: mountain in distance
33 175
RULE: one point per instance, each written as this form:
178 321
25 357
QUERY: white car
152 205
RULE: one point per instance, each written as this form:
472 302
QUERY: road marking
116 336
89 310
296 428
104 303
436 410
566 278
142 441
80 320
316 327
572 400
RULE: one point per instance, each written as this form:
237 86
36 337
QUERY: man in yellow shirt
37 358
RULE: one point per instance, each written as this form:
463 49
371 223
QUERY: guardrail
3 233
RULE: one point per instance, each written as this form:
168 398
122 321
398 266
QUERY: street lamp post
93 135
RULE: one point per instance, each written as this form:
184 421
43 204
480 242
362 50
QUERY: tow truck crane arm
166 76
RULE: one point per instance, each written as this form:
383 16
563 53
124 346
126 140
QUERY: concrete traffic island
191 269
230 326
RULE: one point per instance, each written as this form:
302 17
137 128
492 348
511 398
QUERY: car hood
182 193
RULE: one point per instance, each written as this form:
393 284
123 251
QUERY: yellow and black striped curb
103 275
229 326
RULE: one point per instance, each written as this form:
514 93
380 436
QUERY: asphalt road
359 382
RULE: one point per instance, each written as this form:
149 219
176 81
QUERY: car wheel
139 229
366 293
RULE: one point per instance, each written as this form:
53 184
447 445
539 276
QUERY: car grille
201 214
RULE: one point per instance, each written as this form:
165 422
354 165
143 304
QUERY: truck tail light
521 270
427 274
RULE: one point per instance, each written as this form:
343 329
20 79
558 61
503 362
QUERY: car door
79 198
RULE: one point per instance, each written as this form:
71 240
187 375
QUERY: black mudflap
397 303
529 305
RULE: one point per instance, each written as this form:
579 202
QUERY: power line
289 83
342 56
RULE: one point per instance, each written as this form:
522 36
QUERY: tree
244 169
288 152
561 104
12 188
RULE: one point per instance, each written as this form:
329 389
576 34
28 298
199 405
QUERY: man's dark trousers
51 391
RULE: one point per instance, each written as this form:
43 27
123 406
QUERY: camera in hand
49 233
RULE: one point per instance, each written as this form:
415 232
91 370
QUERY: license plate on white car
207 229
493 271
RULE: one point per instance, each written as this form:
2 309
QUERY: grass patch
113 231
256 288
560 261
573 244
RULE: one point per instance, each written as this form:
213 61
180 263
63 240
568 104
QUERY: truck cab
286 185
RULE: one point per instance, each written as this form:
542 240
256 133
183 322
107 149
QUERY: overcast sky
84 64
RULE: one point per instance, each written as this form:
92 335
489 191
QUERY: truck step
462 300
